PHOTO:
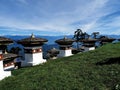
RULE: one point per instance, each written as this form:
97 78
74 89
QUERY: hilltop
93 70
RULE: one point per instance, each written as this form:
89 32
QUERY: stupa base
53 58
4 74
65 53
25 64
88 49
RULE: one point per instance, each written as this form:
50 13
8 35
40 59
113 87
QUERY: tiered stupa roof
5 41
9 56
105 39
32 41
8 59
89 42
65 41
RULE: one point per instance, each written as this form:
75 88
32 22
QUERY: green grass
82 71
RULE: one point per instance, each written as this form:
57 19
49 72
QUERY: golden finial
32 36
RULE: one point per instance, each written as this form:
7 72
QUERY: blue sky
59 17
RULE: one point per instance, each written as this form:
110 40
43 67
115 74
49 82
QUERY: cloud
25 2
61 17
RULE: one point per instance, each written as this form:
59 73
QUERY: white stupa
65 46
8 58
33 50
89 44
52 53
3 73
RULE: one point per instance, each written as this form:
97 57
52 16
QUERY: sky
59 17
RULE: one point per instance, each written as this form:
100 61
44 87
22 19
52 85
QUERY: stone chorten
8 59
33 50
89 44
105 39
3 73
52 53
65 46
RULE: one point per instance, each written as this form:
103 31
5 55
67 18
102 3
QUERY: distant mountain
51 39
114 36
49 45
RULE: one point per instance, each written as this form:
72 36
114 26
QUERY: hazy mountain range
50 44
51 39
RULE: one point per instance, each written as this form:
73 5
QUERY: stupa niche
65 46
33 50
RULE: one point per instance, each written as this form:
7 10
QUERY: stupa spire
32 35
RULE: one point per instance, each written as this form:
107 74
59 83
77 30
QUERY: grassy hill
93 70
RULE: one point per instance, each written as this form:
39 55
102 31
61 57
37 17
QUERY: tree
79 35
95 34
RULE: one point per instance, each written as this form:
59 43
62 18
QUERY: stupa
8 59
105 39
3 73
65 46
52 53
33 50
89 44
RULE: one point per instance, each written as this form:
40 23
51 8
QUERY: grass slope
93 70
